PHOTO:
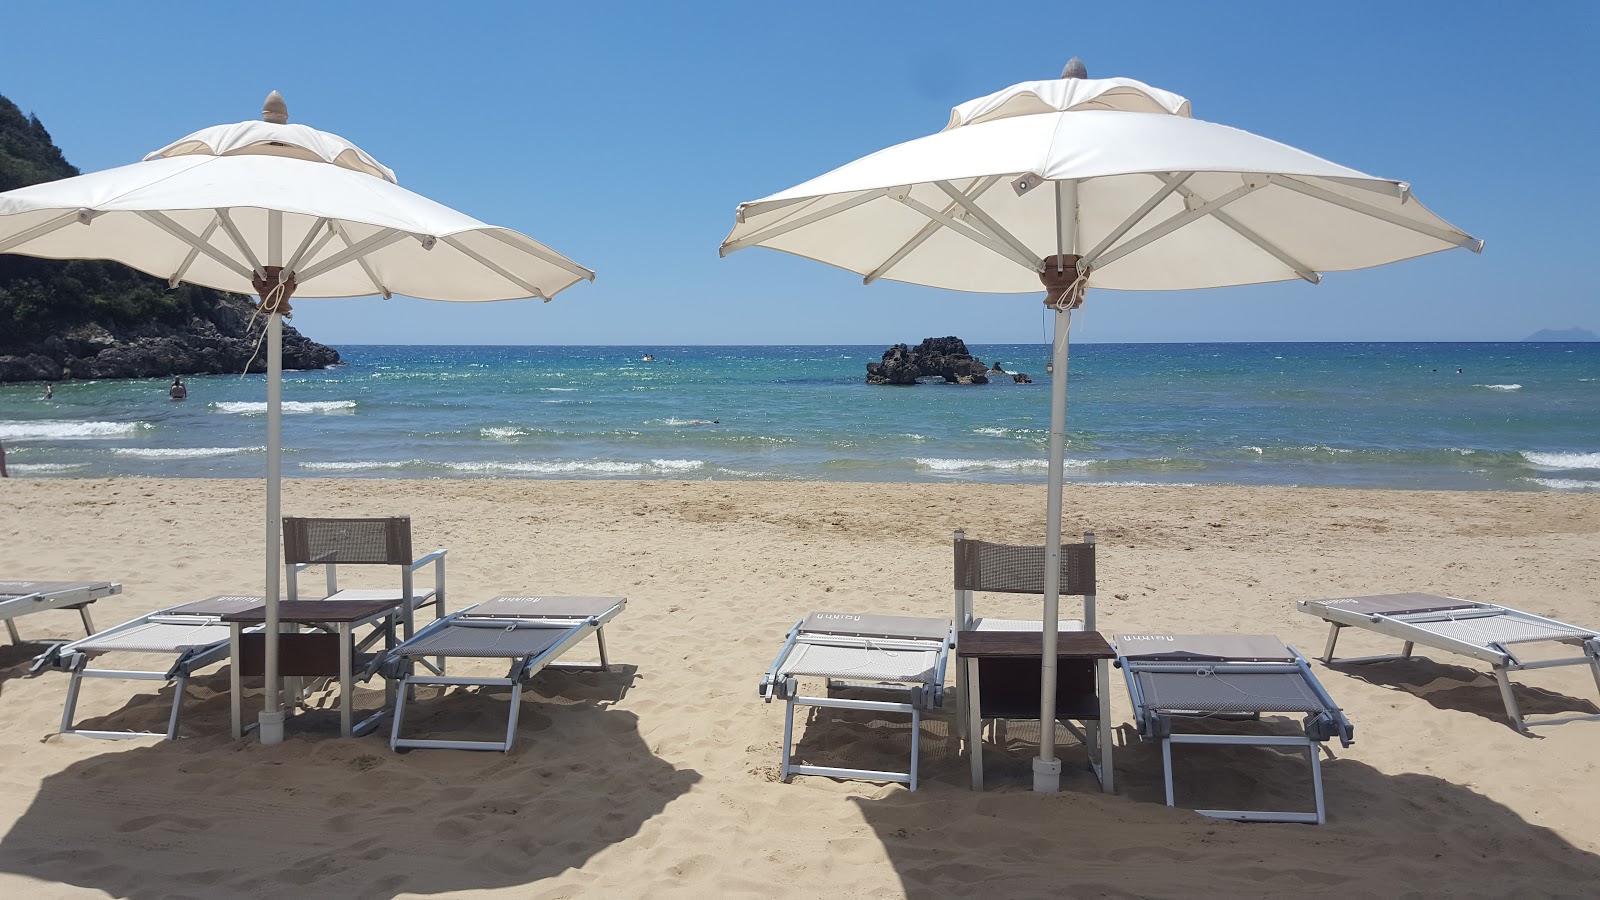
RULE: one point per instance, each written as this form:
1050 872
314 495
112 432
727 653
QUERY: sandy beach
659 779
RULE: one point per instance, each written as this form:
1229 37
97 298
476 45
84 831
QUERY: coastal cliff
92 319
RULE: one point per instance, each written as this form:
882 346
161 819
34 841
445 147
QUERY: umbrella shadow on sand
321 816
1386 834
1461 689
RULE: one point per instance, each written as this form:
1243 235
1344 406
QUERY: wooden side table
314 654
1001 680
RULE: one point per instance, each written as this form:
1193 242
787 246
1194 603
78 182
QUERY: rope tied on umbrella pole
1066 280
275 291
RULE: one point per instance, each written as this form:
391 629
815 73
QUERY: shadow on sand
1387 835
206 817
1462 689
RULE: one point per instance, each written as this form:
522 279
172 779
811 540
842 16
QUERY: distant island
64 319
946 357
1563 334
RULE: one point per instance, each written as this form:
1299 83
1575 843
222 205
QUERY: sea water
1516 416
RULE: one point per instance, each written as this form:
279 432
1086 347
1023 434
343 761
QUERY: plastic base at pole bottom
1046 776
272 731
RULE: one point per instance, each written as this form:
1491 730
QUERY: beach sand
659 779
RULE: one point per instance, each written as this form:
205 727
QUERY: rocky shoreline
946 357
219 341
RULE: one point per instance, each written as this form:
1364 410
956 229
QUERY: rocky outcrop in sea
215 342
946 357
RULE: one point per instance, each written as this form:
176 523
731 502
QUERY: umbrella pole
275 301
1059 276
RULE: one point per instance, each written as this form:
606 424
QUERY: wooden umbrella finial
274 110
1075 69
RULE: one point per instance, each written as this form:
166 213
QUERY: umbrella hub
1064 284
275 290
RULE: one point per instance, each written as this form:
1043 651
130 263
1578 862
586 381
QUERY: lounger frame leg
1333 638
788 768
11 629
88 623
1246 815
69 712
1508 695
396 742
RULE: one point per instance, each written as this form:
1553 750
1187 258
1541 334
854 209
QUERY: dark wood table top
305 612
1069 644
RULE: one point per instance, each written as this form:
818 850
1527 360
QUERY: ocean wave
1500 387
1174 484
183 452
1562 460
289 406
502 433
970 465
1567 484
361 464
45 467
581 467
49 430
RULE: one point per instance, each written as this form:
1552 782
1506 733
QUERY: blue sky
625 134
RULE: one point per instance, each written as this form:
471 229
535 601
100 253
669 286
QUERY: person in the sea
178 391
48 391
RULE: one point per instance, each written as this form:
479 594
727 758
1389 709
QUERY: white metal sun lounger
904 655
1482 631
19 598
1223 676
187 638
532 632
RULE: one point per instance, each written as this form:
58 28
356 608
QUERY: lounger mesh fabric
1500 629
348 541
485 641
852 662
156 637
1232 692
1007 568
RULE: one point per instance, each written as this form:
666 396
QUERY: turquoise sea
1518 416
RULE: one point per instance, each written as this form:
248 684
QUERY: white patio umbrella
281 210
1079 183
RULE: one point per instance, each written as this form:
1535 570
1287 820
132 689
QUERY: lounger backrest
1017 569
384 542
1203 647
866 625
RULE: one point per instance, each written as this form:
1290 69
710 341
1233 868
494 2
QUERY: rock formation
946 357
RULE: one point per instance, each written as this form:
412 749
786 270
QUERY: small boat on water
648 358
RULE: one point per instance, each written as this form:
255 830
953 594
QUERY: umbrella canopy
1078 183
282 210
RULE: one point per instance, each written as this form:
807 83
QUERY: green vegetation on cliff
44 297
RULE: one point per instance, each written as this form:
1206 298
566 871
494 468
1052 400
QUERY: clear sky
624 135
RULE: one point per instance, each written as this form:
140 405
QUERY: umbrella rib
494 267
1176 222
534 248
921 236
783 228
1447 235
371 244
1169 183
194 253
1278 253
972 234
160 220
232 231
300 253
40 230
975 211
361 261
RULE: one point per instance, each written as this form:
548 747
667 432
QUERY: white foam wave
1147 483
501 433
1500 387
563 390
1563 460
48 430
361 464
45 467
184 452
289 406
1567 484
581 467
968 465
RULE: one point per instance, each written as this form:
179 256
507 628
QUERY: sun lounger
530 632
19 598
185 638
1228 676
1483 631
899 655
